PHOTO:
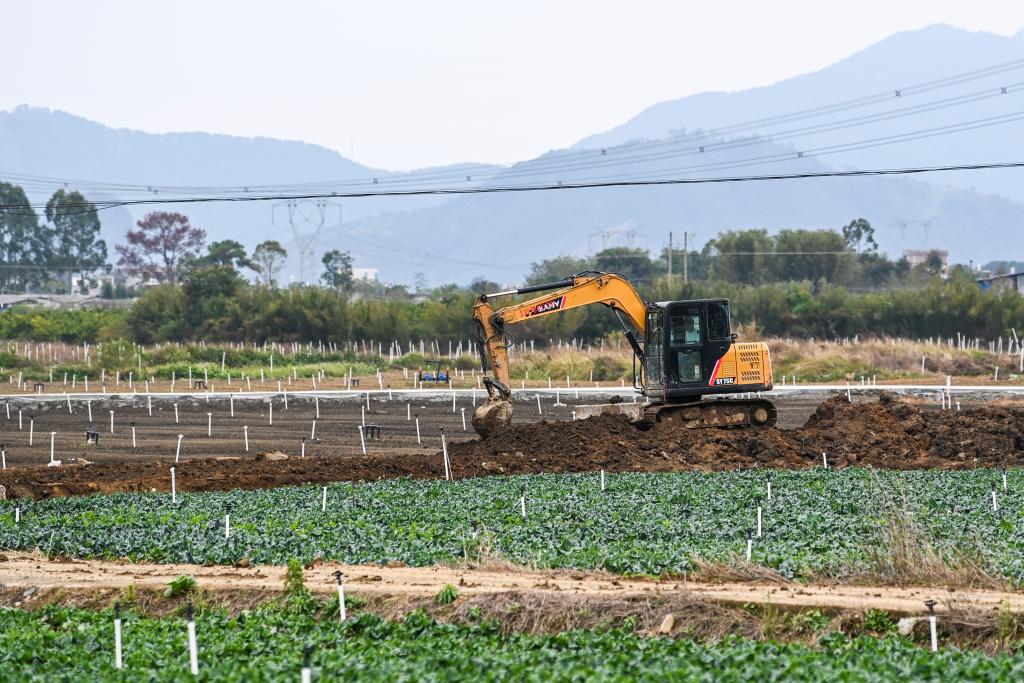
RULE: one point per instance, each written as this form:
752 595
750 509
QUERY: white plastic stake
174 488
362 439
53 435
444 451
323 501
118 663
227 525
316 402
408 411
341 596
750 547
995 504
3 458
602 480
418 439
31 430
824 460
759 521
177 451
1004 480
209 424
769 498
285 393
312 434
88 406
463 418
111 421
245 432
932 626
453 400
362 416
522 505
303 455
134 445
193 648
270 407
176 414
149 405
539 411
574 416
231 399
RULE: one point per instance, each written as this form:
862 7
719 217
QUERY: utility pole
670 258
686 256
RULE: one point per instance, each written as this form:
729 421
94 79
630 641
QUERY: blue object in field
435 376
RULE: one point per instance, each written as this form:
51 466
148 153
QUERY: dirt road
23 571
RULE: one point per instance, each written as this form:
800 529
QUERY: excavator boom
584 289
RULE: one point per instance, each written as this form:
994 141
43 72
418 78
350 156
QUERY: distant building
916 257
1001 283
50 300
364 274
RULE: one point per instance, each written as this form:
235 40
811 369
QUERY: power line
103 205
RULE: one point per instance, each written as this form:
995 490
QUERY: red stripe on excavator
714 373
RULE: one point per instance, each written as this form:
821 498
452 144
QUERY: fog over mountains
454 239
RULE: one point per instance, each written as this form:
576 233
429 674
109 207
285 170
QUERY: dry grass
810 360
736 570
907 556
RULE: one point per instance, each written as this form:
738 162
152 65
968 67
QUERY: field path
24 570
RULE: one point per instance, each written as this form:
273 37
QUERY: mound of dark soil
888 433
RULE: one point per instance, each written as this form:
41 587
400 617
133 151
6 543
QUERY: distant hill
41 142
901 60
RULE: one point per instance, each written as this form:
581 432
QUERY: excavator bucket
493 417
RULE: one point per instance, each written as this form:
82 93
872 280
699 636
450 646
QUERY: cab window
685 328
718 321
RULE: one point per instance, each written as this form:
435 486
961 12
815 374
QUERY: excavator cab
684 344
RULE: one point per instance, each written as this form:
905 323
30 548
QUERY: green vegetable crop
266 645
818 522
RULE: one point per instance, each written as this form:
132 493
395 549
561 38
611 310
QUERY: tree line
821 283
44 253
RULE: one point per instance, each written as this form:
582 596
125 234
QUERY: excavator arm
609 289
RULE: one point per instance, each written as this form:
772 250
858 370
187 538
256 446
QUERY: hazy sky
410 84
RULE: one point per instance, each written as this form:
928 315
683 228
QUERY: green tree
338 270
211 301
634 264
267 260
75 235
810 255
740 256
225 253
19 228
859 232
558 268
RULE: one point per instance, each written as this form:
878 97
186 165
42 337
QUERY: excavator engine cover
493 417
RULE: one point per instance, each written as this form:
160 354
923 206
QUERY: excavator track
718 413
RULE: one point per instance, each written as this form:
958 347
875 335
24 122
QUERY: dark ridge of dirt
888 433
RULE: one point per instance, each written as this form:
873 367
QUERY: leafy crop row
818 522
267 644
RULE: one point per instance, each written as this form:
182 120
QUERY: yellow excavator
685 351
